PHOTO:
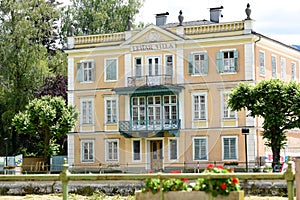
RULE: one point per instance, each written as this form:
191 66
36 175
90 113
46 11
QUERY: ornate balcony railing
149 80
149 125
212 28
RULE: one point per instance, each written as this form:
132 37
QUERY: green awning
148 90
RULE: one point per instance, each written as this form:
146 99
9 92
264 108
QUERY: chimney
215 14
161 19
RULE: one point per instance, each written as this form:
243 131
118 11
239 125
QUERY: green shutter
220 61
190 63
113 70
205 63
93 71
79 72
236 60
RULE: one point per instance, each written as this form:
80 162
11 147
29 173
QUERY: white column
127 68
71 149
249 61
180 66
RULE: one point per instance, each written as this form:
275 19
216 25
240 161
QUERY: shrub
217 186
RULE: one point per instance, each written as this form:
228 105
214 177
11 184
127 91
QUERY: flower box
192 195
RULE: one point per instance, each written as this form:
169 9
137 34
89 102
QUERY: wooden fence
65 176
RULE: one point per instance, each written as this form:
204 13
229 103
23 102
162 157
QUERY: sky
277 19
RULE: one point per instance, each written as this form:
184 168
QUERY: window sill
86 82
196 75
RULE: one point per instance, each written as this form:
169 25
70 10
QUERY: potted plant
203 188
268 168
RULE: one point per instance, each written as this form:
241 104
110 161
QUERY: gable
152 34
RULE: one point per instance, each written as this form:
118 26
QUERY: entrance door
156 154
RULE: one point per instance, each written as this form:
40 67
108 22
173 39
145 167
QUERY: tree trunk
46 148
276 154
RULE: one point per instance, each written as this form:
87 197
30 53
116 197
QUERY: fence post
161 194
297 178
65 179
289 177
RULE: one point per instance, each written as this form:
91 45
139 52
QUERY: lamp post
245 131
6 150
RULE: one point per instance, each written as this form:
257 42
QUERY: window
229 145
138 67
85 71
227 112
293 71
169 65
274 66
227 61
154 110
138 111
200 148
112 150
87 150
111 69
170 111
173 149
283 68
199 105
198 63
87 112
262 69
111 110
136 149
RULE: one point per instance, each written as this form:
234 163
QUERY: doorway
156 155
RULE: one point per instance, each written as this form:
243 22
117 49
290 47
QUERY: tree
26 37
99 16
53 86
274 100
48 119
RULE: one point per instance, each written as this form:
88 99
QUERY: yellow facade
144 105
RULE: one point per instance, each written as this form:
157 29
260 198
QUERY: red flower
235 180
185 180
223 186
220 167
210 166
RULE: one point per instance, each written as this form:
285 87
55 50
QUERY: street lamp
6 150
245 131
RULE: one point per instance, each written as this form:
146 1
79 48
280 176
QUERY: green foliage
277 102
99 16
47 119
27 57
153 185
217 186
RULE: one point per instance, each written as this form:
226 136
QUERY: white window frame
193 106
230 60
134 66
293 71
223 107
262 68
236 148
82 142
132 143
105 68
159 65
206 148
177 149
91 67
166 63
274 74
107 159
82 100
105 107
283 68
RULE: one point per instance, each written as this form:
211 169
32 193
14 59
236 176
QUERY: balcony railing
149 125
149 80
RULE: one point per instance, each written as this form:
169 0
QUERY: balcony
136 81
130 127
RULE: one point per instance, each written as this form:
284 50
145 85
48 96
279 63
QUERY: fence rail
65 176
